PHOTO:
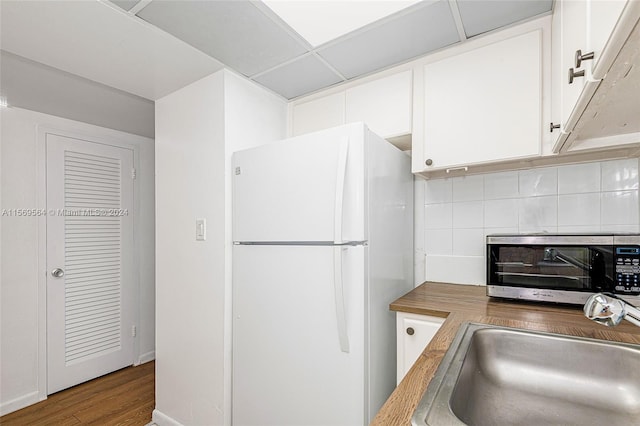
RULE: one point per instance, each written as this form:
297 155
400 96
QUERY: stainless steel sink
505 376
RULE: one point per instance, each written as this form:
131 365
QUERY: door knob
57 273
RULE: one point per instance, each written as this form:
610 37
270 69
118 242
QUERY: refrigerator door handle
338 288
341 172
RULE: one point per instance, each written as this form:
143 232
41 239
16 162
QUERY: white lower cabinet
414 332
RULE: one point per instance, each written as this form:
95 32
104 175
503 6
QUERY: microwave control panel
627 264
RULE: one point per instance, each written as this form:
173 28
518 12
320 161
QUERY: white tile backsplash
619 208
468 214
579 209
501 213
468 188
501 185
438 191
459 212
456 269
535 182
468 242
620 175
584 229
438 241
438 216
538 214
579 178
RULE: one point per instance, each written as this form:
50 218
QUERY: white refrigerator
323 242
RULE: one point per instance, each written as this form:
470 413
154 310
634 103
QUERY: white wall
22 298
37 87
197 129
190 290
253 116
459 212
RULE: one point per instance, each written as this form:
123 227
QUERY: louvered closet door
89 260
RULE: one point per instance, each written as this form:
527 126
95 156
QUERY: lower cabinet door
414 332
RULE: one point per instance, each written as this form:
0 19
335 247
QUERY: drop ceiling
153 47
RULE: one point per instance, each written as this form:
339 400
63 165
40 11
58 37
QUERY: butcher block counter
464 303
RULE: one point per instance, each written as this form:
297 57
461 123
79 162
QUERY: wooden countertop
464 303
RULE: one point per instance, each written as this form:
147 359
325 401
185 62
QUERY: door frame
100 136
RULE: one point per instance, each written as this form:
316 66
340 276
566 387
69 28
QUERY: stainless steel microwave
564 268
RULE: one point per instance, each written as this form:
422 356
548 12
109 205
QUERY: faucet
610 310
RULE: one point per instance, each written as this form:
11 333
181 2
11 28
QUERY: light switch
201 229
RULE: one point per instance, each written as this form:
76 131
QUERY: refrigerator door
309 188
290 362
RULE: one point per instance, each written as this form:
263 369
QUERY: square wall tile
538 214
501 185
585 229
468 188
537 182
619 208
468 242
501 213
468 215
579 209
456 269
579 178
619 174
438 241
438 216
438 191
620 228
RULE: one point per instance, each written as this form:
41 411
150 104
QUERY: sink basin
505 376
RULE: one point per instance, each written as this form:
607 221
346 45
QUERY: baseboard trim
163 420
20 402
146 357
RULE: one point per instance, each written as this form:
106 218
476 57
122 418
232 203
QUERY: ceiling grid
249 37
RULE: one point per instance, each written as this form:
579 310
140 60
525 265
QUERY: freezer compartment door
293 361
308 188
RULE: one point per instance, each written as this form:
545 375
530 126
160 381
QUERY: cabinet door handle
553 126
580 57
457 169
428 162
573 74
410 331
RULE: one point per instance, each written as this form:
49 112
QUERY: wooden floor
125 397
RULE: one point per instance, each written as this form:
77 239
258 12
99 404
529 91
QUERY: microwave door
542 267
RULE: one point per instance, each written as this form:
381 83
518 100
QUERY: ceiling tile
426 28
302 76
234 32
125 4
101 43
320 21
480 16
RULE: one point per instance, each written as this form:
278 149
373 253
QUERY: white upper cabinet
318 114
602 18
580 31
483 105
384 104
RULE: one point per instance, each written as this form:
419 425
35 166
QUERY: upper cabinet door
581 29
602 18
573 15
385 105
318 114
484 105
